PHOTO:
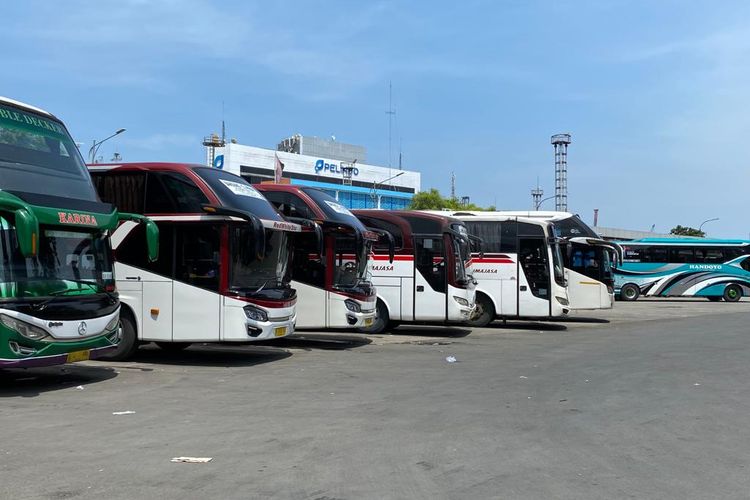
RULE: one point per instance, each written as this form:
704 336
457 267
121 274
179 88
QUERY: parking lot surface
648 400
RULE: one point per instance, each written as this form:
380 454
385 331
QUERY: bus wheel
714 298
484 312
732 293
173 346
128 340
630 292
381 320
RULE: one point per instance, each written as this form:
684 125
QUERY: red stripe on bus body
395 257
493 261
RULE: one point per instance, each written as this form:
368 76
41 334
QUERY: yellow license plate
78 356
279 331
368 321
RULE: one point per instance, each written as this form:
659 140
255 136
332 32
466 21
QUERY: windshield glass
68 263
592 261
251 275
334 210
349 263
558 265
572 227
235 192
462 254
37 155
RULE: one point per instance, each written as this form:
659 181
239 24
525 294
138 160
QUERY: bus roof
685 242
13 102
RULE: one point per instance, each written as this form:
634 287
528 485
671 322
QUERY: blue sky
655 93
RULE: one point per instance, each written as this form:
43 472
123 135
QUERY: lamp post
373 192
95 147
707 220
542 201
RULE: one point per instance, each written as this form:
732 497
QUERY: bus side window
681 255
132 250
308 265
509 237
489 232
197 259
124 190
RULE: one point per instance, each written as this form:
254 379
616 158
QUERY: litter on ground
191 460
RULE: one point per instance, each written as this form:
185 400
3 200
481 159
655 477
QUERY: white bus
330 276
520 270
221 275
429 278
588 258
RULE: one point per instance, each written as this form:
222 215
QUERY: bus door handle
135 278
420 288
522 288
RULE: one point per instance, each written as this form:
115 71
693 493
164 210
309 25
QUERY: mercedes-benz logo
82 328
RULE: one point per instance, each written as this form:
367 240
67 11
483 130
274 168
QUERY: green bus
58 302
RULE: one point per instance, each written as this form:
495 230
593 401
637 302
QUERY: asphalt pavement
648 400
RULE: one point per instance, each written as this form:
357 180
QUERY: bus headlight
255 313
352 305
562 300
27 330
461 301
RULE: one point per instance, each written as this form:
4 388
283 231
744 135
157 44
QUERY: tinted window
125 190
235 192
197 255
573 227
290 205
681 255
526 229
509 236
489 232
132 250
423 225
398 236
185 196
158 200
430 261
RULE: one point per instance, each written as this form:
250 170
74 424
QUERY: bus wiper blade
54 295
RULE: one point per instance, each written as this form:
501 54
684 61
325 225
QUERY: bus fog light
352 305
27 330
562 300
255 313
461 301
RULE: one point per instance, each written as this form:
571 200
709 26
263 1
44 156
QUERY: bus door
310 275
533 277
591 280
430 278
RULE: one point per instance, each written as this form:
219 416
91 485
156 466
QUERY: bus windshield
334 210
251 275
37 155
68 263
558 264
350 263
462 255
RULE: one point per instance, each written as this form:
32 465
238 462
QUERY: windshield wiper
54 295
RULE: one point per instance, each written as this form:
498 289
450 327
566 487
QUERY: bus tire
382 318
484 312
630 292
128 339
732 293
173 346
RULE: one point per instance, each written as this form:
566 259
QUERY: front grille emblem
82 328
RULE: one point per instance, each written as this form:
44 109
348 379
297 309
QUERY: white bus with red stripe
588 258
430 278
520 271
329 264
221 275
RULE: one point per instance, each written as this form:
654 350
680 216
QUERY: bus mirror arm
312 225
258 230
476 244
391 242
152 233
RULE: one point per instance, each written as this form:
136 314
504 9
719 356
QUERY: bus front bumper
271 329
57 359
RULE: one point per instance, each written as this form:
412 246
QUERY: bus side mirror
27 232
27 225
152 233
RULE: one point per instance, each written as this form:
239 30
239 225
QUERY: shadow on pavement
580 319
32 382
527 325
208 355
325 341
431 331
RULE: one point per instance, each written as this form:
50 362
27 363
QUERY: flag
278 170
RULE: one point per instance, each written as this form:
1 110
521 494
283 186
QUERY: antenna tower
560 142
453 186
536 195
391 113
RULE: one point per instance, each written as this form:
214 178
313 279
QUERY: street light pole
542 201
375 184
95 147
708 220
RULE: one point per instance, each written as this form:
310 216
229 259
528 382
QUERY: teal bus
58 302
684 267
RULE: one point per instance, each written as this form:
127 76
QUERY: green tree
687 231
433 200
